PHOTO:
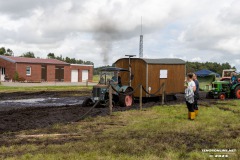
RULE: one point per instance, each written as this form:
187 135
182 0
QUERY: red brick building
38 70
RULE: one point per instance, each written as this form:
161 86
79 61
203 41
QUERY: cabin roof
160 60
164 61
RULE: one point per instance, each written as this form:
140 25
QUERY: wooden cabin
151 73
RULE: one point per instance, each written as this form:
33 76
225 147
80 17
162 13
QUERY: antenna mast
141 43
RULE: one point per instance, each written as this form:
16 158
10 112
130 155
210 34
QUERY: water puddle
39 102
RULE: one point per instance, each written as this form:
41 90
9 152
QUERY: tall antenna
141 43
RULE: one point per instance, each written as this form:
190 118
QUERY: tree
6 52
51 56
69 60
9 52
2 51
28 54
213 66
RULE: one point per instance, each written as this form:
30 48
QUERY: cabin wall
174 81
138 70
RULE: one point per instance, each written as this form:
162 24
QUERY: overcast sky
104 30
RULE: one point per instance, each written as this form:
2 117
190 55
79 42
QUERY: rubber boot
196 112
192 115
189 115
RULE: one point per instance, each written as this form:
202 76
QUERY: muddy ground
23 110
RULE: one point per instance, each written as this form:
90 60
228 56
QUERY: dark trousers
195 103
196 97
190 106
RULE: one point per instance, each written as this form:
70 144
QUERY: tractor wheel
222 96
237 92
87 102
126 100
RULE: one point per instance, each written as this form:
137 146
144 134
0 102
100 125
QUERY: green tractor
121 94
223 90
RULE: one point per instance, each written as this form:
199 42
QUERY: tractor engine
99 92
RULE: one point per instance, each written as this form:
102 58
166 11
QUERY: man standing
233 78
189 96
196 94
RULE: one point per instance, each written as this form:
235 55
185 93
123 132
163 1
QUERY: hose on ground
82 117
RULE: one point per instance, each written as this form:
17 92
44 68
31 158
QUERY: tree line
9 52
69 60
212 66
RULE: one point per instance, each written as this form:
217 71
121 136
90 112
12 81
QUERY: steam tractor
122 93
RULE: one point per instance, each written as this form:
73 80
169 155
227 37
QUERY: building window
28 71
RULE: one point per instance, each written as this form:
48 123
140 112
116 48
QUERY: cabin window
28 71
163 73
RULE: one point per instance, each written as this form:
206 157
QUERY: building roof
32 60
161 61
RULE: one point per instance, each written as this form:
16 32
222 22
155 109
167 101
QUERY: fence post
163 93
87 83
110 100
140 100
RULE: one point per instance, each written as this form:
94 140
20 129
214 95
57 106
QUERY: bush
16 76
21 79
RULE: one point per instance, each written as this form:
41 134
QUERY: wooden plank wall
138 70
174 82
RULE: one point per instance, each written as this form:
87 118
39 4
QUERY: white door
74 76
2 74
84 75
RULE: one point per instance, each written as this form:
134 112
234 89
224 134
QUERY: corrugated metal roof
32 60
164 61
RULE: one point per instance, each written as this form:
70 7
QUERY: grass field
43 88
95 78
160 132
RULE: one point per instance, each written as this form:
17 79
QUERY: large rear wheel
237 92
126 99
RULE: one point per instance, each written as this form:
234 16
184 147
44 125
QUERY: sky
103 31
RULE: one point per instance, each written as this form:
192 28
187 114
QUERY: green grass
95 78
161 132
43 88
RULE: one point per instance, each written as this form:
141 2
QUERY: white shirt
189 93
191 84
